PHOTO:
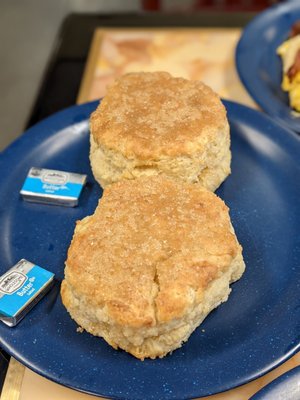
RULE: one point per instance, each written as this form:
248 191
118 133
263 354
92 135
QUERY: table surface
217 70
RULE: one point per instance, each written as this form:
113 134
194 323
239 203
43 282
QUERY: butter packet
21 287
51 186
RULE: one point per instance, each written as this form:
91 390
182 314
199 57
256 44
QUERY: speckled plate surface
258 65
256 330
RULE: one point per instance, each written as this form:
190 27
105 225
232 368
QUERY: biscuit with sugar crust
150 123
148 266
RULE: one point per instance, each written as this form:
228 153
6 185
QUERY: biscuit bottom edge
141 343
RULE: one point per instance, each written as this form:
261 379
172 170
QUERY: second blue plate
260 68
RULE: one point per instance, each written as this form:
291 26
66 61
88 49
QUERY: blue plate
260 68
256 330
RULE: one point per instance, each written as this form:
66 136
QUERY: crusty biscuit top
149 115
150 250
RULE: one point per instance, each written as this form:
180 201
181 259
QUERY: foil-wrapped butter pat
53 187
21 287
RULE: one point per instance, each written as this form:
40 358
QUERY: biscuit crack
157 287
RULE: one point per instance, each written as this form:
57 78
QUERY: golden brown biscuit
153 123
155 258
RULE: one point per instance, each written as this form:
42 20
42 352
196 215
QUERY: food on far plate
290 54
150 123
150 264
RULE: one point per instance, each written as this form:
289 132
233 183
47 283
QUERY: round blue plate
256 330
260 68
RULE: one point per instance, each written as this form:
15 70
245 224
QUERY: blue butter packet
53 187
21 287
